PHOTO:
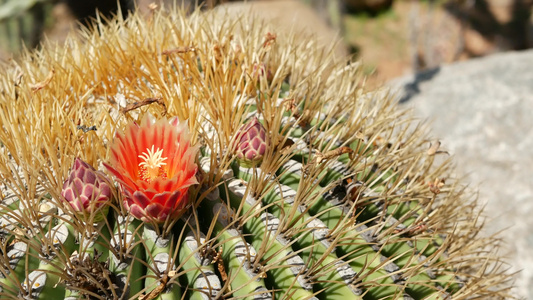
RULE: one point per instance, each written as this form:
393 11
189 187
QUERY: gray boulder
482 111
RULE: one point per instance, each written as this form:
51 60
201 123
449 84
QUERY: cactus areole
154 165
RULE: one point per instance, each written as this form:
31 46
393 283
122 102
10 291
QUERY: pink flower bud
86 189
251 143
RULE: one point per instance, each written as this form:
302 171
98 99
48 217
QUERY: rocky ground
481 111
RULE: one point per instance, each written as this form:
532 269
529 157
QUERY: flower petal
141 199
157 196
154 210
137 211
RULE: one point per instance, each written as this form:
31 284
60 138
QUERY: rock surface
481 110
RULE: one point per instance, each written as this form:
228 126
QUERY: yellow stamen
152 166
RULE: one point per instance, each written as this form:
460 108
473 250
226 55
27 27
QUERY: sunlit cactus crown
336 195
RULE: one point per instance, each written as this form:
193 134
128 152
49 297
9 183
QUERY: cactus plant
346 203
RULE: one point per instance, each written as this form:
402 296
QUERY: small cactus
305 186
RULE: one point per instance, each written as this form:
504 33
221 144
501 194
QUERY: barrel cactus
148 159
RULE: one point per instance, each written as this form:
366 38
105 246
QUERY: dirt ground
405 38
413 36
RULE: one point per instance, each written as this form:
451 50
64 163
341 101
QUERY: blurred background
462 64
392 37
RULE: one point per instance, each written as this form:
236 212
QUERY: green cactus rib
96 244
13 271
290 174
72 295
288 281
41 282
159 251
9 204
200 277
17 254
332 274
126 254
35 259
402 216
340 171
237 254
20 257
286 276
371 265
334 277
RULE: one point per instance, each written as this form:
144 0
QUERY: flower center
152 166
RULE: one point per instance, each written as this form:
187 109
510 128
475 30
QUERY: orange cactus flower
154 164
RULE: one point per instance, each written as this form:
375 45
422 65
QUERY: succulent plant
347 202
